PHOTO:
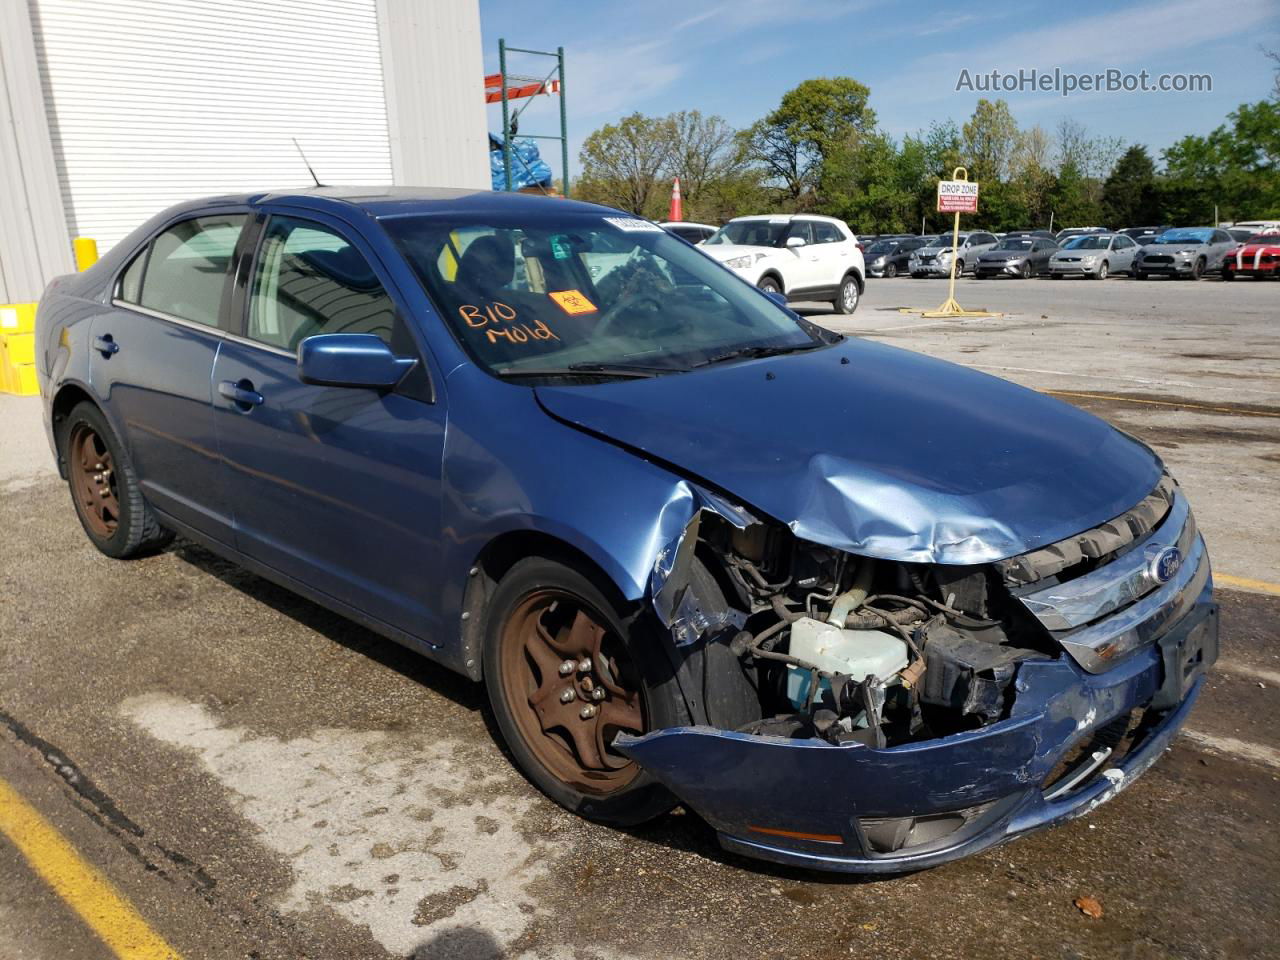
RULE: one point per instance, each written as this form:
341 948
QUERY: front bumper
1178 267
1071 269
814 804
1011 269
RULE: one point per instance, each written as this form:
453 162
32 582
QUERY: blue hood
891 454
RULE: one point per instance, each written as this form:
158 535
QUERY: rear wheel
566 671
846 300
104 489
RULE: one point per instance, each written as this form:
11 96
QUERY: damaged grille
1107 591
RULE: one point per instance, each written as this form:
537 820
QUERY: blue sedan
861 609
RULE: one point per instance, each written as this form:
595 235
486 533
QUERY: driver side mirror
350 360
794 242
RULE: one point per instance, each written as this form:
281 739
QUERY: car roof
788 216
685 223
388 201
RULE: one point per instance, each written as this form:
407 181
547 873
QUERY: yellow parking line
1164 403
1245 583
82 886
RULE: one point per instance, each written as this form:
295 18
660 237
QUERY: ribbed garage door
155 101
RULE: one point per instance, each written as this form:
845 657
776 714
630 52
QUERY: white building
110 110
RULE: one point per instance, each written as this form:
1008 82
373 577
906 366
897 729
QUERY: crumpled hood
892 454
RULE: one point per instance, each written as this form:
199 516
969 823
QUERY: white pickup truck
802 257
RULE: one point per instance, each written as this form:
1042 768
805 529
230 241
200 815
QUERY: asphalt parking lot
261 778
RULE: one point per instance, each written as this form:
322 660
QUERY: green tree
812 122
990 139
1129 195
622 163
1235 168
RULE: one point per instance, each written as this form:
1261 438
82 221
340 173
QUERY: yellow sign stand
949 307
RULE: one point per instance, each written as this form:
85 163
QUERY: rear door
335 487
835 253
154 353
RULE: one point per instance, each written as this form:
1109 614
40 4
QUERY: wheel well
64 402
775 277
862 284
498 556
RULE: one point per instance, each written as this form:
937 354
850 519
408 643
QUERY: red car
1257 257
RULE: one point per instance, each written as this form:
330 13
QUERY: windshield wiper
745 353
626 370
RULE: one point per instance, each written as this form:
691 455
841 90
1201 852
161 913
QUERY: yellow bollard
86 250
18 349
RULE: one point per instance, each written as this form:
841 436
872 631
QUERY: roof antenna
305 161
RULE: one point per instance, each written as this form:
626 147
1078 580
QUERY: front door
335 487
153 354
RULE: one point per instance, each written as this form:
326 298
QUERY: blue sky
736 58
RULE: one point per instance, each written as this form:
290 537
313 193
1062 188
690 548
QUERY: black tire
959 268
127 527
890 272
1025 272
770 285
1139 275
635 643
848 296
1055 276
1197 271
1228 274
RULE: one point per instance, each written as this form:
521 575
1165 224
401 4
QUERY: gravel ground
268 780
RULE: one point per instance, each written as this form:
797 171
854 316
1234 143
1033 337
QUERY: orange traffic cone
676 212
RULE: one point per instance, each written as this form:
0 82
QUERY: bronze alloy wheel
570 686
93 480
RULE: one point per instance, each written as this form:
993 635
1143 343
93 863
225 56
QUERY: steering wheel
609 319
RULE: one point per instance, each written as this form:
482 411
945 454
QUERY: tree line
821 150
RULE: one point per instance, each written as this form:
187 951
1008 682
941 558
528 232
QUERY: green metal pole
506 130
564 129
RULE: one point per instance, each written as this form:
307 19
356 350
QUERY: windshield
1184 236
1090 242
752 233
1271 239
945 240
884 246
565 291
1014 243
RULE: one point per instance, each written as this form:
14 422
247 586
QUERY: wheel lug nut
568 695
567 667
587 712
584 665
597 693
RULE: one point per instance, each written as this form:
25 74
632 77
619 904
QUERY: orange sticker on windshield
571 301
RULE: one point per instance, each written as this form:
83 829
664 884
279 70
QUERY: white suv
799 256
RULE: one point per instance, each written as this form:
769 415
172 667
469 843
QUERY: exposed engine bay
781 637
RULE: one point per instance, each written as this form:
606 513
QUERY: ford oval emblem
1165 564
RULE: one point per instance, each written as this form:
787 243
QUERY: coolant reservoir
858 653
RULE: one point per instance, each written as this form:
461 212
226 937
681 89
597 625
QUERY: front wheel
959 268
1102 270
1197 271
1026 271
566 671
770 285
1139 275
846 300
890 272
104 488
1228 274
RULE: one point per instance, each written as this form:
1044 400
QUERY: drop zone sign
957 196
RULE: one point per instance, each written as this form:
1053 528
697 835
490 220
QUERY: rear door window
824 232
186 268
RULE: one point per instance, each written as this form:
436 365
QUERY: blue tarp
528 169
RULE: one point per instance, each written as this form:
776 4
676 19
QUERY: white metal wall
155 101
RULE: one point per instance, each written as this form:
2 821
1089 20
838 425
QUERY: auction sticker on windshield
633 225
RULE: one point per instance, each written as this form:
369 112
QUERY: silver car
934 260
1185 252
1093 255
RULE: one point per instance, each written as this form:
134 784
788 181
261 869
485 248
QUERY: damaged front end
866 714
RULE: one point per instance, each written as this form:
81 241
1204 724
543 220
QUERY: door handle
105 345
240 393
